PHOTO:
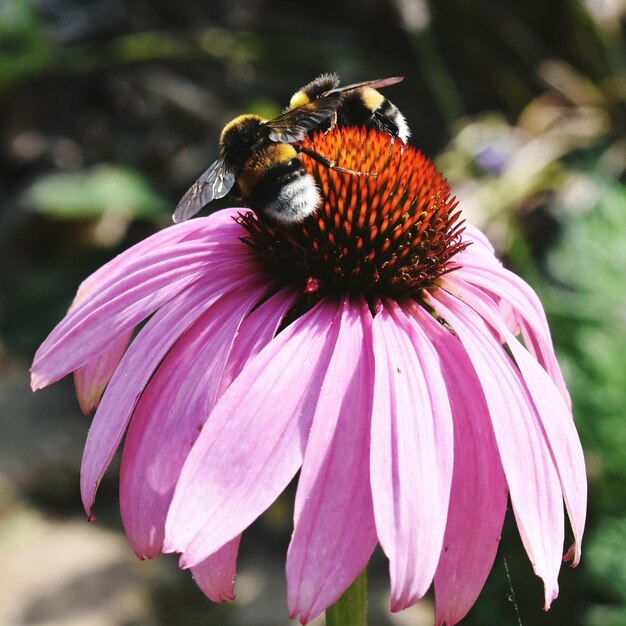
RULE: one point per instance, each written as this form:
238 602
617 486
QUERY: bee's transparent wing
215 183
294 125
374 84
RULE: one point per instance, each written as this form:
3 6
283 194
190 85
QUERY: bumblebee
360 104
259 160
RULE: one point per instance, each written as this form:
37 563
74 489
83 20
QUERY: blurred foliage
607 559
94 193
109 110
588 308
24 47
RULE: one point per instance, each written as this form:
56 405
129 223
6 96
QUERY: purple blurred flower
379 348
491 158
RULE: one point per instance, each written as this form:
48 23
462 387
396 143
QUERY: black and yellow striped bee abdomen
370 109
275 181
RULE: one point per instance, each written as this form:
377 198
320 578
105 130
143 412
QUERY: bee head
242 127
239 137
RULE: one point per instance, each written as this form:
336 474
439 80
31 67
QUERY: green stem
351 608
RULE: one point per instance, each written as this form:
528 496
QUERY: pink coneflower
379 348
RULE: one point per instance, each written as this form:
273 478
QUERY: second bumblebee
360 104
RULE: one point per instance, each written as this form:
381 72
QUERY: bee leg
330 164
332 123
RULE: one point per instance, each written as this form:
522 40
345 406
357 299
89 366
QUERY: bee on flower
377 346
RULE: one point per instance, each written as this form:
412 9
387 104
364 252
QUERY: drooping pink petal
137 365
170 415
87 330
527 307
543 351
528 465
219 226
256 331
334 533
216 574
91 379
478 238
412 453
509 316
254 439
479 493
511 288
554 414
253 334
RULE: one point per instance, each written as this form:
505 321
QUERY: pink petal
256 332
91 379
412 453
216 574
509 315
116 308
479 494
170 415
510 288
478 239
526 305
528 465
135 369
253 443
334 532
219 225
555 416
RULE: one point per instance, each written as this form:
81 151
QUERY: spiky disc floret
390 230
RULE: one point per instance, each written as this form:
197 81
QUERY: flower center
390 230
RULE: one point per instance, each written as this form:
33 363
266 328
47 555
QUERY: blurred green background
109 109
